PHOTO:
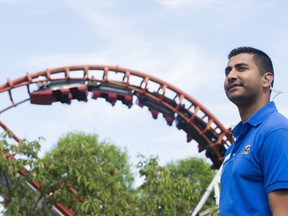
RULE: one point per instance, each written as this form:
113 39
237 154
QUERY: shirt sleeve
274 157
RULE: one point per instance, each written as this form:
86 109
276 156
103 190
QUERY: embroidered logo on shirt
247 149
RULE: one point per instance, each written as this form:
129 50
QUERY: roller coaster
117 84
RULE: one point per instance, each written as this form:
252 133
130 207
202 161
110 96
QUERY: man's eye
227 71
241 69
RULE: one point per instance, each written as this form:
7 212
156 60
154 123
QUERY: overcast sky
183 42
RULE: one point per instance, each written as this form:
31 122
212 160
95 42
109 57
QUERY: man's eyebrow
240 65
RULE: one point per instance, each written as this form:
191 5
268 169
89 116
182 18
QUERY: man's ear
267 79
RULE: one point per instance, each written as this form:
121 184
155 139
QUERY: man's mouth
233 86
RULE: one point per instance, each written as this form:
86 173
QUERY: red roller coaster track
120 84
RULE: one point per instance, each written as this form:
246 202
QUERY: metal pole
209 189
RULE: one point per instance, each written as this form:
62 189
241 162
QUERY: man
254 179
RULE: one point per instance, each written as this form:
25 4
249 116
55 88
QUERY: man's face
243 83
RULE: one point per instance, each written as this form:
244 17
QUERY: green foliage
198 173
101 178
18 198
163 194
98 171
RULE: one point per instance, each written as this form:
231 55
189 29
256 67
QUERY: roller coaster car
112 93
62 90
210 153
156 107
192 132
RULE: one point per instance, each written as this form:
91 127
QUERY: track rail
121 84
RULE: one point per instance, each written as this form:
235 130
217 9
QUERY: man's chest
243 160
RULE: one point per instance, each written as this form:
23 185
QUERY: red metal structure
120 84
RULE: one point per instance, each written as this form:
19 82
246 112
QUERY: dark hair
261 59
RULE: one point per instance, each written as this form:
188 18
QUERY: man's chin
235 98
238 100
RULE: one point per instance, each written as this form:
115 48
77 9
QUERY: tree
95 178
198 172
174 189
98 172
18 198
162 194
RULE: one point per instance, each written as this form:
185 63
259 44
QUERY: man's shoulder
276 120
275 125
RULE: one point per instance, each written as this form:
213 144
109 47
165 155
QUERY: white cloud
18 1
128 40
183 3
182 65
111 26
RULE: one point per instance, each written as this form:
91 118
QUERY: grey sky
183 42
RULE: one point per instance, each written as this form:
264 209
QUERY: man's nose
232 76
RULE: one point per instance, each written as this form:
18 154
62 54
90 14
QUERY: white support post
215 181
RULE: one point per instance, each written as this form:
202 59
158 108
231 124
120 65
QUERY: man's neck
247 111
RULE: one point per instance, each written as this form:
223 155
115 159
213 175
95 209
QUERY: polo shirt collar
260 116
257 118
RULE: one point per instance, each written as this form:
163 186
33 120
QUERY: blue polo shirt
256 164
